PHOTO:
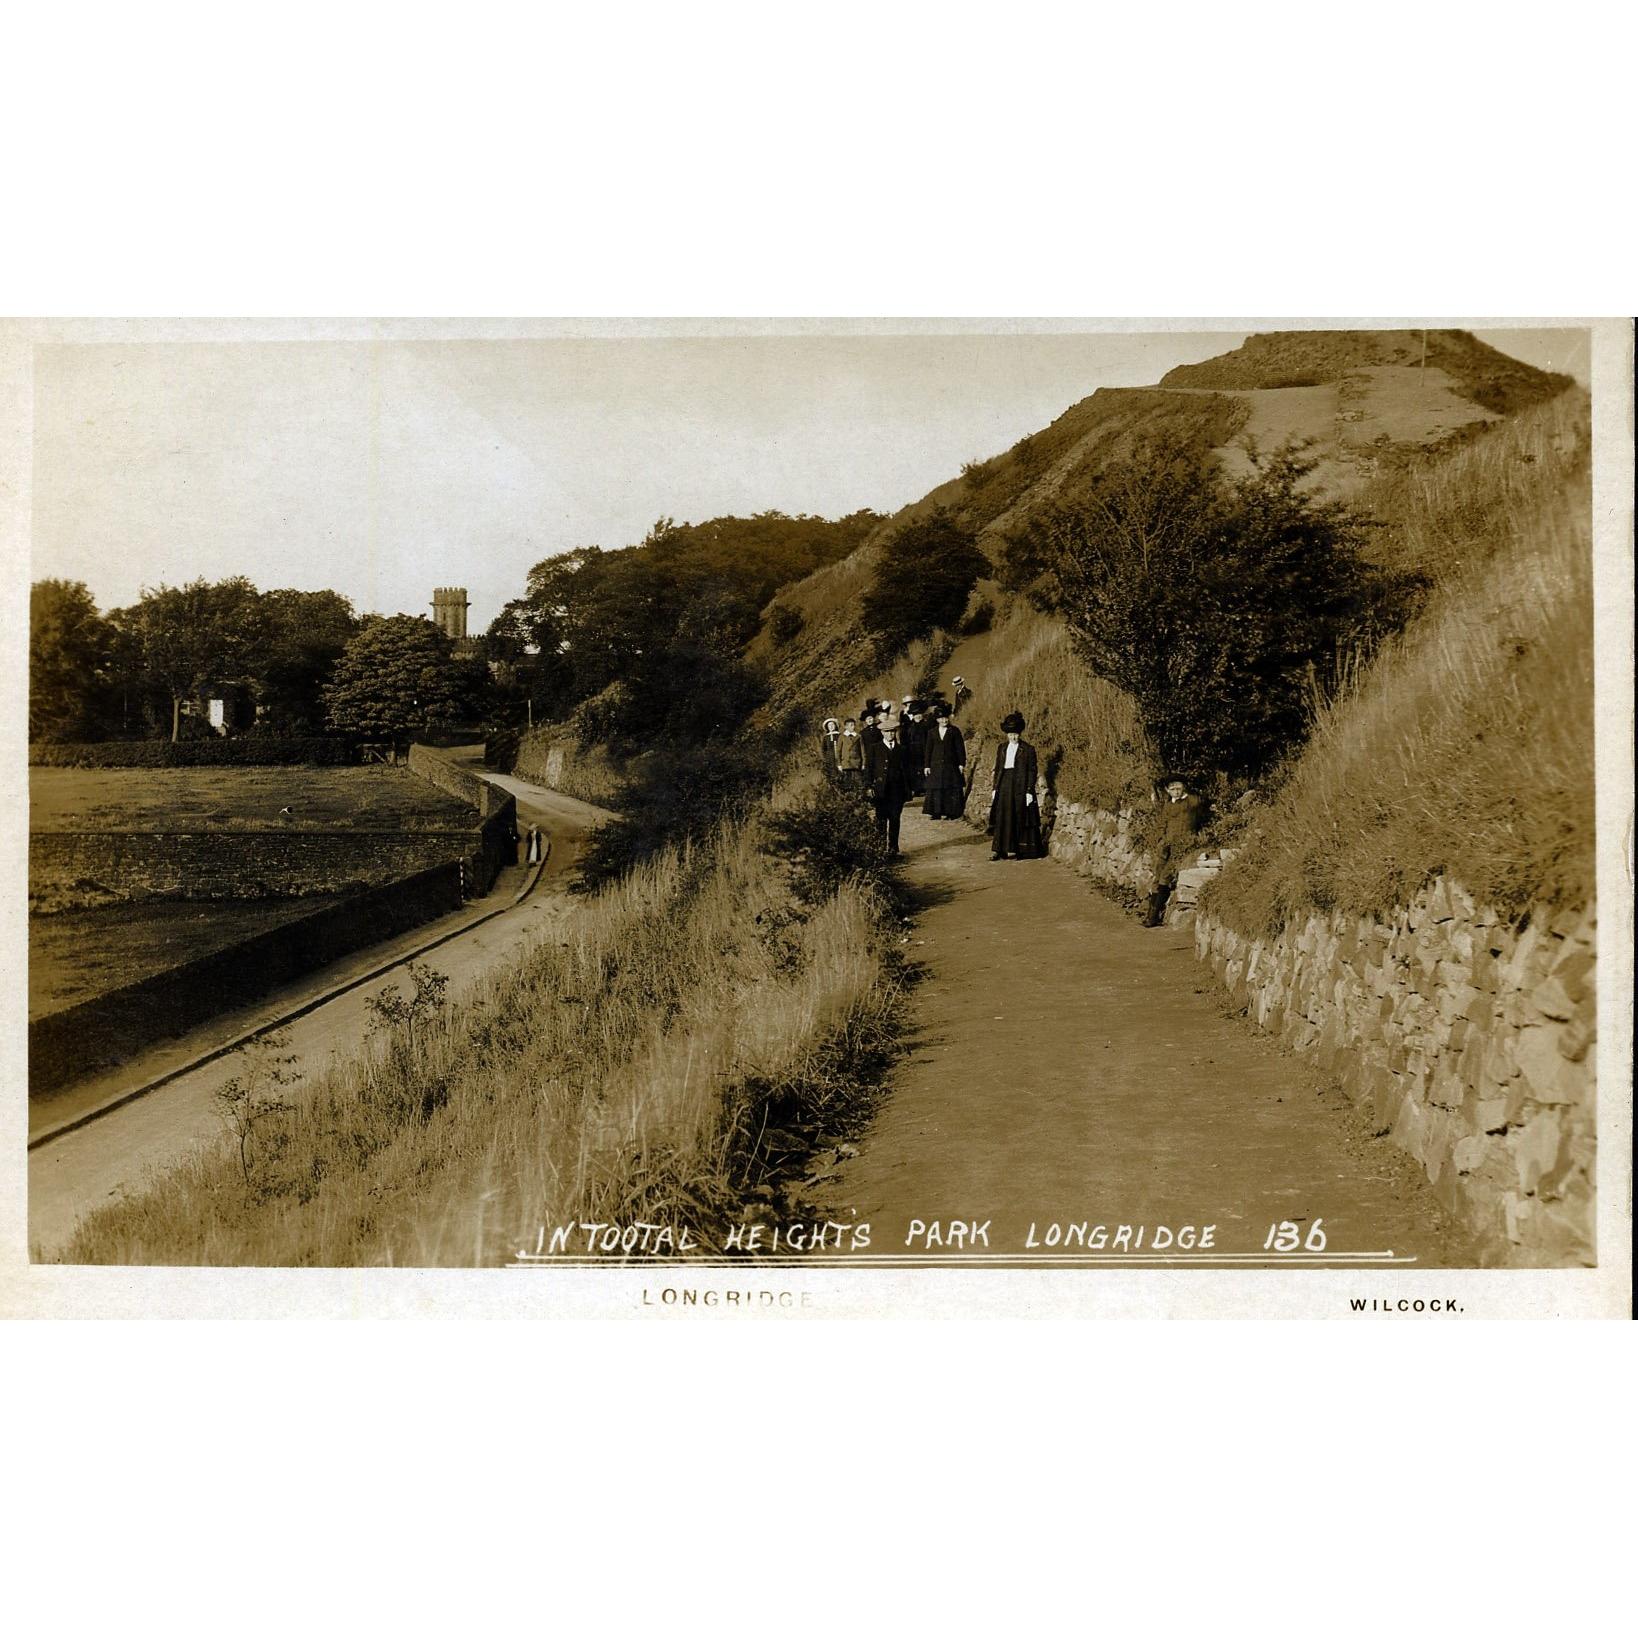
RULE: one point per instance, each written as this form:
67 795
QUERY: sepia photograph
879 755
719 804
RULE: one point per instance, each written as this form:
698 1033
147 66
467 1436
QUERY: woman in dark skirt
944 763
1015 809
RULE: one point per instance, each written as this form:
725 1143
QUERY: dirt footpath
1070 1066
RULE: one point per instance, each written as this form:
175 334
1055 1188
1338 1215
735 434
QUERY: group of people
893 754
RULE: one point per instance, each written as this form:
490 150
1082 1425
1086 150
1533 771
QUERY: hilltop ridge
1368 404
1309 358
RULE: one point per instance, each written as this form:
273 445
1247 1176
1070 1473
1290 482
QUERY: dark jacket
827 751
945 756
1179 826
1024 767
887 771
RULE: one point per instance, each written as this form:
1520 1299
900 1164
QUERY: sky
381 469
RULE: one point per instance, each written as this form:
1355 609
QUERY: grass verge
1466 748
684 1040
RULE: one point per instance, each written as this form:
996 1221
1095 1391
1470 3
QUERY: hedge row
250 752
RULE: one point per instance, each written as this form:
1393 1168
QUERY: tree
924 576
305 633
69 646
197 634
1214 603
395 678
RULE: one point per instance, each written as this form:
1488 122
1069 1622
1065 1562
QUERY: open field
82 953
164 799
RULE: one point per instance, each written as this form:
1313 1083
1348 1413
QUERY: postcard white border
54 1291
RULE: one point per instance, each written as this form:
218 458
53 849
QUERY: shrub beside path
1069 1065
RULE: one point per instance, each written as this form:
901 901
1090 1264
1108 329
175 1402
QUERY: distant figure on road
944 767
1015 808
887 778
962 693
1180 822
850 757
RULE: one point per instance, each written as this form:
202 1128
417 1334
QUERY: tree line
651 635
293 663
647 643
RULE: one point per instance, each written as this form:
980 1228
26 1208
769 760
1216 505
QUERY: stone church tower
449 608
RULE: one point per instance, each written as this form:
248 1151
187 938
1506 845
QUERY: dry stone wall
108 1028
1468 1036
1102 845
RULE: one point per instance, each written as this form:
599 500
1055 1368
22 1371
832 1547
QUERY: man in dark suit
887 778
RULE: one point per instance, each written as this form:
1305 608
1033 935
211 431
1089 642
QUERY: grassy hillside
1467 747
828 663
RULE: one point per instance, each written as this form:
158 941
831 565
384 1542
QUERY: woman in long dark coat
944 763
914 730
1015 807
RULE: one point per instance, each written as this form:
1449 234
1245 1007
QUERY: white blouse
1012 753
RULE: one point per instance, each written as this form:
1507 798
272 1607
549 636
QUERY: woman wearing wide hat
1015 807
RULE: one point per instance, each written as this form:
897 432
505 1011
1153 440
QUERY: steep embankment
1412 898
1417 903
830 659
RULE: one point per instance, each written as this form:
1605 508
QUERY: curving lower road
76 1172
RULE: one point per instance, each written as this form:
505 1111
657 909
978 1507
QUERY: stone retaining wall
550 756
1468 1036
1102 845
496 844
108 1028
454 780
237 864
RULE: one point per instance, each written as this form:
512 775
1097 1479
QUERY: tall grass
1467 748
1087 733
1441 517
667 1046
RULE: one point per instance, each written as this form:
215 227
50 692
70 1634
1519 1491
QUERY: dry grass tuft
1091 744
1442 517
1466 749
